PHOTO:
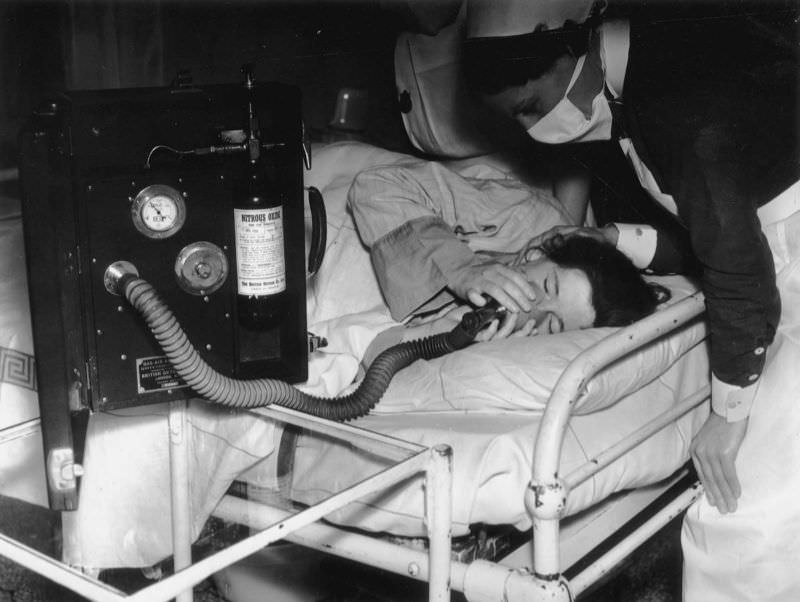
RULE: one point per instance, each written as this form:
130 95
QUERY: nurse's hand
714 450
505 284
531 250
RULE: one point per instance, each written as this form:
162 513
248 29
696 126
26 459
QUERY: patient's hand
505 284
512 325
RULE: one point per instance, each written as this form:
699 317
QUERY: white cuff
731 402
638 243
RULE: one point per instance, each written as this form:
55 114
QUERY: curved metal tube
569 388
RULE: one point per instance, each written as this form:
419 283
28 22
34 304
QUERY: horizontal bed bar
320 536
603 459
476 580
58 572
386 446
605 563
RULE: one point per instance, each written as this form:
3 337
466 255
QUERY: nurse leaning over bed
701 109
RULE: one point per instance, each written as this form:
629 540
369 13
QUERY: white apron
754 553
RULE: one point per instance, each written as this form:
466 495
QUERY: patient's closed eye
551 284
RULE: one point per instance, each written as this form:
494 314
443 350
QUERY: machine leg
179 485
438 500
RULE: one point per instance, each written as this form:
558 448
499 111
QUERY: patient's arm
420 220
571 187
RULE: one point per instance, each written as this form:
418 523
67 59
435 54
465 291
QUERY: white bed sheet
492 452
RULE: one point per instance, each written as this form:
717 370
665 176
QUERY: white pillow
519 374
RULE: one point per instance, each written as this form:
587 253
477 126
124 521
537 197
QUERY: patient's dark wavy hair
620 295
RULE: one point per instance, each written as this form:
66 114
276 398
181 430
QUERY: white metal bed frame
480 581
484 581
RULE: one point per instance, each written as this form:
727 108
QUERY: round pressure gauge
158 211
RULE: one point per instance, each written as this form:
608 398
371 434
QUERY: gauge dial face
158 211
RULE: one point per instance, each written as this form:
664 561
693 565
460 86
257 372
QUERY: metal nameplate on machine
199 191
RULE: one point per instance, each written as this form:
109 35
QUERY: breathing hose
252 393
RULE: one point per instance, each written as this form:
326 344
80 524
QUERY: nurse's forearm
571 188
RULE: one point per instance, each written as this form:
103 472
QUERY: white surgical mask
567 123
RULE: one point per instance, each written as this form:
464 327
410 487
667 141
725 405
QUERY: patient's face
563 297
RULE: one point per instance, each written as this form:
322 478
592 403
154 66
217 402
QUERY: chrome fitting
114 274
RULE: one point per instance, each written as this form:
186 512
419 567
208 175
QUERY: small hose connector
117 275
475 321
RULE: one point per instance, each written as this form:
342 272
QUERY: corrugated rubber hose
252 393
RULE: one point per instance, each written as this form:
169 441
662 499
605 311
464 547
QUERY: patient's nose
539 293
543 301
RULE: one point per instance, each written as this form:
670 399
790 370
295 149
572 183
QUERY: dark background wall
320 45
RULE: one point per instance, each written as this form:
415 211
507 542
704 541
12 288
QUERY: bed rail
547 493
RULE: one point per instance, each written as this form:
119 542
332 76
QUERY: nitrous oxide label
260 261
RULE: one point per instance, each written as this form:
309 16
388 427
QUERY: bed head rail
546 495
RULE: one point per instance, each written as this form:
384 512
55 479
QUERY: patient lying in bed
394 222
436 235
578 282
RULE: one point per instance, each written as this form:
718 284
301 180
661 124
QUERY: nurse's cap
510 41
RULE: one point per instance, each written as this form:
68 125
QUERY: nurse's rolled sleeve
638 242
731 402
